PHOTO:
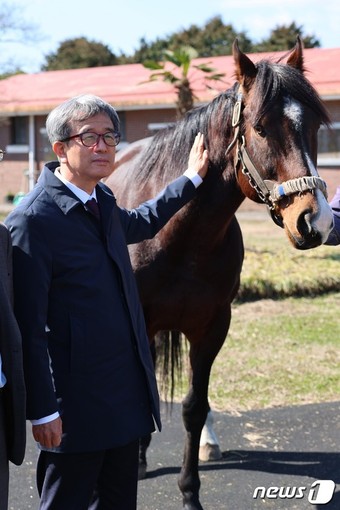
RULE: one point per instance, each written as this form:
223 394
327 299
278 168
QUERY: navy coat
11 354
334 236
86 351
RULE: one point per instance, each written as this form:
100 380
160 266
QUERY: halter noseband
270 192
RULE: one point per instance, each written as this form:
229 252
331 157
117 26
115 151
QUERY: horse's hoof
141 471
209 452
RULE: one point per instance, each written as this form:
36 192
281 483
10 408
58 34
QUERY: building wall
4 132
14 167
333 108
135 125
137 122
13 179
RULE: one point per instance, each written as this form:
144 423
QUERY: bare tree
15 30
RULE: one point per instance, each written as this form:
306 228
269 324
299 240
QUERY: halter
270 192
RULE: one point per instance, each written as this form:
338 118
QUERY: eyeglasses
90 139
2 154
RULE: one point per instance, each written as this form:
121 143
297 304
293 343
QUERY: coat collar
60 193
67 200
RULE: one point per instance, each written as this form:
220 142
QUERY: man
334 236
12 388
90 381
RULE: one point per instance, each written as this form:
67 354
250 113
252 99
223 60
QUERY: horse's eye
260 130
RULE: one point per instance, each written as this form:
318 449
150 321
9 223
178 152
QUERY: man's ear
59 149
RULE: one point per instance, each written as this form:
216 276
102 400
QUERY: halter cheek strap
270 192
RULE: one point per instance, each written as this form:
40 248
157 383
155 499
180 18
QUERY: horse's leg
209 445
203 350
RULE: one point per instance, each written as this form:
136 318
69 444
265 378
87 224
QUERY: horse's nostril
304 223
308 220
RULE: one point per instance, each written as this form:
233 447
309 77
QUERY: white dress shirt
2 375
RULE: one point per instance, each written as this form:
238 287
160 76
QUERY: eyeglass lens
91 139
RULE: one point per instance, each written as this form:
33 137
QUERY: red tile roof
122 85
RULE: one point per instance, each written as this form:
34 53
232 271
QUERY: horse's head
276 119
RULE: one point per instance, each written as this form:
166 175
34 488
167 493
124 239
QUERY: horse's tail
168 361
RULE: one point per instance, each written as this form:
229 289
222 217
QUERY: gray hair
79 108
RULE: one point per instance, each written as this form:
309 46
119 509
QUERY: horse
261 136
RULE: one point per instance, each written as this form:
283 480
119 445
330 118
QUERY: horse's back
123 179
133 150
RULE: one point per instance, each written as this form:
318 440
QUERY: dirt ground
330 175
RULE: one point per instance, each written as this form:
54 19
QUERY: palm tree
182 59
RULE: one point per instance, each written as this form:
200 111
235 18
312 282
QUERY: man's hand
198 157
48 434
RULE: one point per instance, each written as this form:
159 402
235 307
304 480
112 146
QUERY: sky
121 24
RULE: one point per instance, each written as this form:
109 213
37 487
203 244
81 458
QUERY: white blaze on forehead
293 111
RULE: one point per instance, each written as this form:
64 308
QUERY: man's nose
100 145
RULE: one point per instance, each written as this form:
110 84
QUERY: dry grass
279 353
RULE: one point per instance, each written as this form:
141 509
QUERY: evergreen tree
78 53
283 37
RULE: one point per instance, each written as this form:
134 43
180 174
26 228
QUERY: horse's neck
214 207
220 191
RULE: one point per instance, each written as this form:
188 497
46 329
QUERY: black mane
174 142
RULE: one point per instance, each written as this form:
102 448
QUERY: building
143 107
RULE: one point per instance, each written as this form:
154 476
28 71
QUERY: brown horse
262 140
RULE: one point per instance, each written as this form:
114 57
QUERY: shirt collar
80 193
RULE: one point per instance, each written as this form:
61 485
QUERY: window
153 127
46 152
19 143
329 145
19 132
122 126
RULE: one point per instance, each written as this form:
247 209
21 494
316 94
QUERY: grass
273 268
278 353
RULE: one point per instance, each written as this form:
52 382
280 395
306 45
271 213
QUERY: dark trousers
105 480
4 469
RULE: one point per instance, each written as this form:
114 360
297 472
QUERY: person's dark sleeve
146 220
334 236
32 272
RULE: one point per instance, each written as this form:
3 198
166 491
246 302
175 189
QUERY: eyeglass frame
99 136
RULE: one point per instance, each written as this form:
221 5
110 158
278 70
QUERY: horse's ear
245 70
296 57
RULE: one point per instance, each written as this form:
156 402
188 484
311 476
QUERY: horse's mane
174 143
273 80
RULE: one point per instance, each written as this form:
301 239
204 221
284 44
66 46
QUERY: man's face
86 166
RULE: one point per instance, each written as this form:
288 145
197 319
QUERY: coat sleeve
334 237
148 218
11 352
32 271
